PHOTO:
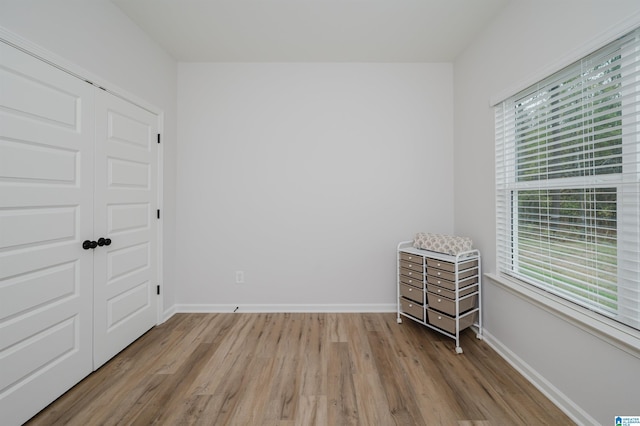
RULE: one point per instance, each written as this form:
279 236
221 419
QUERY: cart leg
399 320
458 350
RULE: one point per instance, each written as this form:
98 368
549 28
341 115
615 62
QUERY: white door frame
55 60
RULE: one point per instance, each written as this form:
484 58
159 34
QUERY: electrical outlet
239 277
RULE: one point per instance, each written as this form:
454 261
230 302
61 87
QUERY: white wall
96 36
305 176
590 377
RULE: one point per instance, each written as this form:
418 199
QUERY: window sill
623 337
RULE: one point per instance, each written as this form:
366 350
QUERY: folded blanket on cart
441 243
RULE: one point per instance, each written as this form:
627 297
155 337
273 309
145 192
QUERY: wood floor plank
162 404
438 401
312 411
371 321
188 338
514 388
335 327
223 356
373 407
253 404
395 383
487 394
313 357
231 377
320 369
285 388
358 341
194 412
341 395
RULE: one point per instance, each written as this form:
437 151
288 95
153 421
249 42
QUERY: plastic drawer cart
440 291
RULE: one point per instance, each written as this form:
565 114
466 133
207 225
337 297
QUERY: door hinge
158 290
158 213
158 137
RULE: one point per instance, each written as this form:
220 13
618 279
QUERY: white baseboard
569 407
168 313
257 308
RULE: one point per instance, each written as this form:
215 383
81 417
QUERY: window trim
623 337
608 329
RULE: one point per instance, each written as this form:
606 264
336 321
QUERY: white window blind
568 182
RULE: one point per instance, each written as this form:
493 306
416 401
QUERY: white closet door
125 272
46 211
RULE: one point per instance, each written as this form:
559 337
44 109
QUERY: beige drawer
412 265
411 274
448 324
412 308
412 293
412 281
451 294
451 285
411 258
451 276
448 306
451 266
441 282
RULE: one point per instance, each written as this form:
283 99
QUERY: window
568 182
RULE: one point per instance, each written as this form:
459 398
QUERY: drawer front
466 282
451 266
447 323
412 265
412 308
451 276
451 294
418 283
439 264
450 284
412 293
467 264
411 258
448 306
411 274
440 282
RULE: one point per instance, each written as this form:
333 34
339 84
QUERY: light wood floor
302 369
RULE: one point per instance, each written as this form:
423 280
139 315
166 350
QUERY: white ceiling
312 30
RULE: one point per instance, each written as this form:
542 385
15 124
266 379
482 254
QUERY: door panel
21 160
46 209
127 261
125 272
128 174
30 290
39 226
128 217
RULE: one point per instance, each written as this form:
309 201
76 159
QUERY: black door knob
104 241
94 244
86 244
